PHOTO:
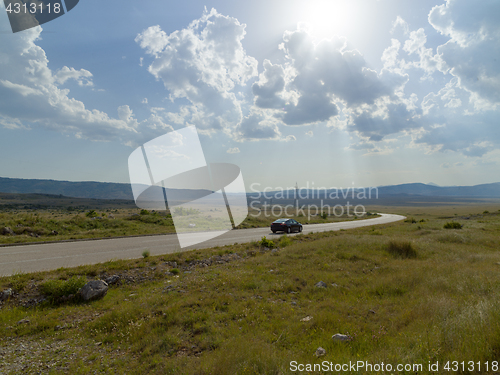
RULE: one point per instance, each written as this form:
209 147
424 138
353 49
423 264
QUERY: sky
318 93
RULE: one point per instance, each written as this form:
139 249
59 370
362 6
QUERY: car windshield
281 220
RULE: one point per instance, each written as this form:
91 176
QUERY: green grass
60 224
57 225
244 316
55 289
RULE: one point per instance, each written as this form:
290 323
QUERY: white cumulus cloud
32 96
204 63
473 52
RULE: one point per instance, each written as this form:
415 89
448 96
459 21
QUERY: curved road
49 256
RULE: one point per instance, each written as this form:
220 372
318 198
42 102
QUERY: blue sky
328 93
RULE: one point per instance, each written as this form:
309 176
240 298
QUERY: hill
84 189
107 190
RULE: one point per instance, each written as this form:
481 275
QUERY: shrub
401 249
452 225
486 212
144 212
410 220
264 242
59 288
145 253
91 214
324 215
182 211
175 271
284 241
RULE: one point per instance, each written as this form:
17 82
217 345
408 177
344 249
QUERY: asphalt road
49 256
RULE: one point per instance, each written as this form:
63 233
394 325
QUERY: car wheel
300 229
288 230
274 231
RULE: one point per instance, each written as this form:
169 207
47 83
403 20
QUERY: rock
341 337
23 321
191 225
7 231
111 216
306 319
320 352
5 294
54 233
110 280
93 290
320 284
33 302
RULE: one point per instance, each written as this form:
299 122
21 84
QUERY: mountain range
106 190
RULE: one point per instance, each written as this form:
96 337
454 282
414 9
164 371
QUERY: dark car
286 225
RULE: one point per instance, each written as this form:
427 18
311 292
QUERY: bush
175 271
264 242
144 212
91 214
182 211
284 241
324 215
410 220
452 225
403 249
145 253
58 288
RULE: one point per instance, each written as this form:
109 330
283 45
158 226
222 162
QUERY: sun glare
328 18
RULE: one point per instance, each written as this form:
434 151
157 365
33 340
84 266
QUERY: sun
326 18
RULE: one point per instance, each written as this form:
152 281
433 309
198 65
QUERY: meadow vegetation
63 224
407 292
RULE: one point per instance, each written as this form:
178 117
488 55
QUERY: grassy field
409 293
59 223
